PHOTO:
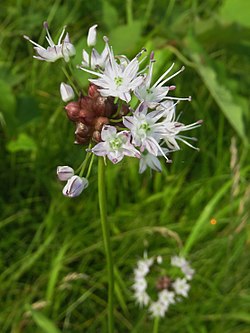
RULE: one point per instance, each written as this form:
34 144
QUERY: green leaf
224 99
7 106
44 323
28 109
199 228
22 143
109 15
125 38
223 96
236 11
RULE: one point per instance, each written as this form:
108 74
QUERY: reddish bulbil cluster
90 113
164 282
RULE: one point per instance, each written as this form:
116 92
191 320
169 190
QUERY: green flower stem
156 324
90 165
106 241
70 80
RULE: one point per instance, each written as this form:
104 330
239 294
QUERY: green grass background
45 236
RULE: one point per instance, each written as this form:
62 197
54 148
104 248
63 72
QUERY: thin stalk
129 10
156 324
169 9
106 242
90 165
70 80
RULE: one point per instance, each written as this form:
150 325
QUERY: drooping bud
91 40
64 172
67 93
74 187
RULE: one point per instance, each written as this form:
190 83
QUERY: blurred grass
46 237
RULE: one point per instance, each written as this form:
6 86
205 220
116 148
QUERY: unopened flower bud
74 187
159 260
91 40
64 172
67 93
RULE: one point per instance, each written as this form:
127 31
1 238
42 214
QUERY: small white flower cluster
147 131
168 294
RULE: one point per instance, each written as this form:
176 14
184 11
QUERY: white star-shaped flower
145 130
181 287
158 309
63 49
154 94
166 297
115 145
117 80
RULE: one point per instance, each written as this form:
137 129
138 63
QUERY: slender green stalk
106 241
169 9
156 324
70 80
129 11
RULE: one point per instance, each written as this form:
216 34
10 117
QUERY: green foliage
51 246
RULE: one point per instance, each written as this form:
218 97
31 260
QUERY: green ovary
115 144
118 81
145 127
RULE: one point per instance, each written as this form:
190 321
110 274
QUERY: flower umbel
169 288
106 120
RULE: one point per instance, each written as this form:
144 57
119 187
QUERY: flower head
168 287
166 297
158 309
184 265
64 172
115 145
181 287
91 39
142 298
63 49
118 79
75 185
67 92
146 132
154 94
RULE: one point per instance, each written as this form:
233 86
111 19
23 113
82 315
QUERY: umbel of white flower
168 293
105 119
